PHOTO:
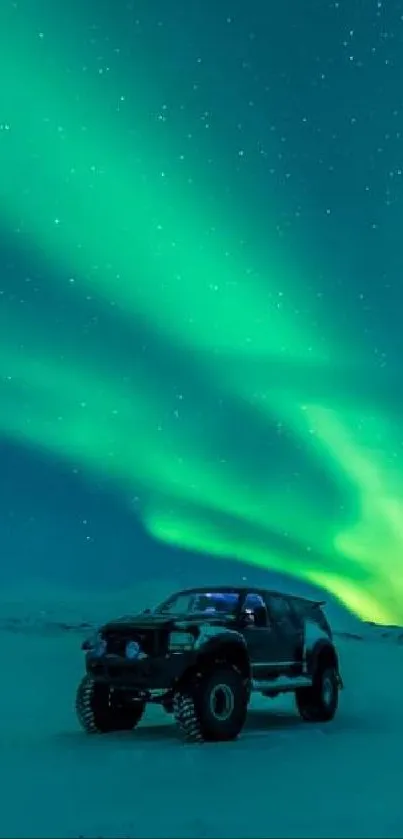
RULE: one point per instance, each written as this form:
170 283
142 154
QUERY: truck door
259 637
288 631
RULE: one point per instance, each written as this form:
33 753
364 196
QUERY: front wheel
213 708
99 711
319 703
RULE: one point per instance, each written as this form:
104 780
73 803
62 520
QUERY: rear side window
299 607
275 607
279 608
312 611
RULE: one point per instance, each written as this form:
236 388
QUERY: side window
296 612
252 601
255 606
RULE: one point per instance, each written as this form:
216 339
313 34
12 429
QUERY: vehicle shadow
269 720
257 721
164 730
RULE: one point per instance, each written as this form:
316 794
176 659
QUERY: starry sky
201 208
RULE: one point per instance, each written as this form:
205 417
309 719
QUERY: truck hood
171 621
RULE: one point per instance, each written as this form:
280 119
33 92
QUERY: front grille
149 641
114 672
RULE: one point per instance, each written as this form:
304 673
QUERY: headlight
132 650
181 641
100 646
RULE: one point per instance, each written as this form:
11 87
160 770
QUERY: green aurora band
144 242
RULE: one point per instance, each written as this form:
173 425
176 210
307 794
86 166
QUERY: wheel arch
225 649
322 655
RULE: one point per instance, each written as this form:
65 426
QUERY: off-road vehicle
201 653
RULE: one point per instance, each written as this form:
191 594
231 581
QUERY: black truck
201 653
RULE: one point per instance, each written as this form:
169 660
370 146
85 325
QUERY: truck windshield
200 602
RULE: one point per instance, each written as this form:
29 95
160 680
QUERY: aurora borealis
201 210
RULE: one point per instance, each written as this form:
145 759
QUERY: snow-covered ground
282 778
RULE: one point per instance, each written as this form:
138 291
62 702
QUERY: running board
284 684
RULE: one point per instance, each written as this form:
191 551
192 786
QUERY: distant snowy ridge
44 623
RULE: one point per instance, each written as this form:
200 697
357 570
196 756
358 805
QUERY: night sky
201 294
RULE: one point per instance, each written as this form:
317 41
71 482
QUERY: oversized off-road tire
319 703
100 712
212 707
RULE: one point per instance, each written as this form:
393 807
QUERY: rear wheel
100 711
213 707
319 703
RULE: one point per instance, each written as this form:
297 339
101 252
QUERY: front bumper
142 674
